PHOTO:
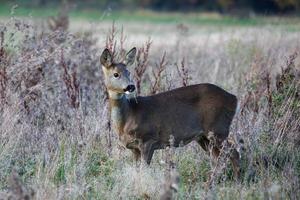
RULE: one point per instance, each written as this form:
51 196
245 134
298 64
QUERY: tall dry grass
55 136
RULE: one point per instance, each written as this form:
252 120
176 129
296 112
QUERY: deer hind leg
214 152
213 145
209 146
204 143
235 155
235 161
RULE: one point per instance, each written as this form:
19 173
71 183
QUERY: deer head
116 76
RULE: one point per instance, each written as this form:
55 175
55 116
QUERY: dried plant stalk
111 43
183 73
160 68
3 73
71 83
141 64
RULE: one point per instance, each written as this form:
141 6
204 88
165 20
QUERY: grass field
55 137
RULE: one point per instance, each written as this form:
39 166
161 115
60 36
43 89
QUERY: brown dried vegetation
61 144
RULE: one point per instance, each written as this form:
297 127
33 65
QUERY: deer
146 123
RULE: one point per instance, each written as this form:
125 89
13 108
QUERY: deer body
188 114
145 124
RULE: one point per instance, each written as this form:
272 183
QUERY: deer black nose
130 88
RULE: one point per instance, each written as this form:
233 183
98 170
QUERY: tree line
222 6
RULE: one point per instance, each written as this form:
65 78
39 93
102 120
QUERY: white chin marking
127 92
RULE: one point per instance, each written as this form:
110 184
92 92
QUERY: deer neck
118 109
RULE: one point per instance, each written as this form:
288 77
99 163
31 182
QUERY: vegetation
55 136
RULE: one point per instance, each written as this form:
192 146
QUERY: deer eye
116 75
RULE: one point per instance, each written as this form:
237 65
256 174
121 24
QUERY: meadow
56 140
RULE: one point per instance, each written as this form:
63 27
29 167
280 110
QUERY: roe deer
145 124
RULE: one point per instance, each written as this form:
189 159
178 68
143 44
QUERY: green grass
200 18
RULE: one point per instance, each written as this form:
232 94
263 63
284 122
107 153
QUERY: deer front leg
134 147
147 150
137 156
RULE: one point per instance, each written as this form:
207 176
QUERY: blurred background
222 6
240 8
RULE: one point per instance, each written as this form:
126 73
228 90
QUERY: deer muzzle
129 88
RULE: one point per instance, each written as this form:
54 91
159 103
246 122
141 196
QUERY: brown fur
189 113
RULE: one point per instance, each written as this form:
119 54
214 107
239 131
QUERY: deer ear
106 58
130 57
